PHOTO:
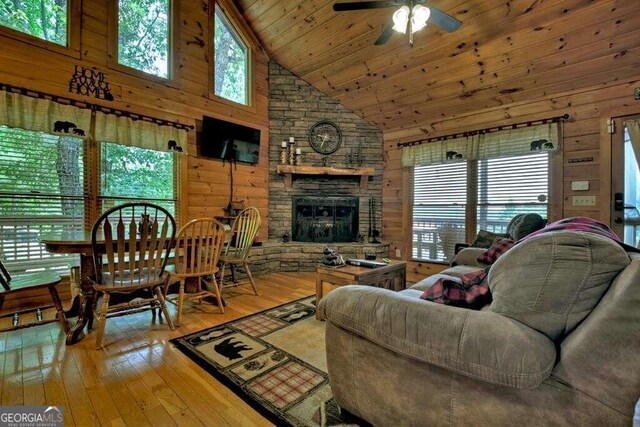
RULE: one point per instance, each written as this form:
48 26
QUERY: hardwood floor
138 378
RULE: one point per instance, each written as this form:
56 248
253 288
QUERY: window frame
554 201
236 23
74 32
173 57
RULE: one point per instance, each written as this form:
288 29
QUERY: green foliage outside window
143 35
230 68
45 19
135 172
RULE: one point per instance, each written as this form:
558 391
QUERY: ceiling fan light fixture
400 19
419 17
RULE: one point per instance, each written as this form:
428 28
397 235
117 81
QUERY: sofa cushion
552 281
469 257
477 344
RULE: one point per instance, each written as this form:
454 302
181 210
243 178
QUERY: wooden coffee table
392 276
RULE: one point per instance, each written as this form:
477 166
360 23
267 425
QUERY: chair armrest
469 256
479 344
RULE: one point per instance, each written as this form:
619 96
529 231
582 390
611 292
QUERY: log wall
205 187
584 136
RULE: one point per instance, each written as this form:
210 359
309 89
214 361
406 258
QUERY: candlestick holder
284 156
292 153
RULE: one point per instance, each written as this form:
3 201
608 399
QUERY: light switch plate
579 185
398 253
584 200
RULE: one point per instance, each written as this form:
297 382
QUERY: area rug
275 361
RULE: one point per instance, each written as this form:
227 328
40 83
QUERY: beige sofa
559 344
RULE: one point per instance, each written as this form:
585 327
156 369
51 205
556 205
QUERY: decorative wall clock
325 137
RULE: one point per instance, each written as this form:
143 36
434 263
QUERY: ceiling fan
411 16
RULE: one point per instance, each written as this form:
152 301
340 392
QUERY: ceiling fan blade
385 36
447 22
340 7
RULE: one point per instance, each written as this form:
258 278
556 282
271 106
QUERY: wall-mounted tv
224 140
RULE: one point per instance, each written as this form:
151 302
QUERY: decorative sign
89 82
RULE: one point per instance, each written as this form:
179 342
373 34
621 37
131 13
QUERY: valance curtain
505 143
633 127
43 115
139 133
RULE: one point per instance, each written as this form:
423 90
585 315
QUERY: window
508 186
143 35
132 173
41 190
45 19
231 68
439 202
492 191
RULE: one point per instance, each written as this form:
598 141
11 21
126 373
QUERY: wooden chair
197 251
135 239
244 231
28 282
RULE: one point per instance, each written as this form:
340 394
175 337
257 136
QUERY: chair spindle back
138 238
245 229
198 247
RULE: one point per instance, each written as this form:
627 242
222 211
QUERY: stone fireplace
325 219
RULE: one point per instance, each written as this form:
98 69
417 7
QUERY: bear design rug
275 361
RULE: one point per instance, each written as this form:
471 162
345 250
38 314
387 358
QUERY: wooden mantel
288 171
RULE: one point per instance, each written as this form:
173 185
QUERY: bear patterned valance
140 133
505 143
43 115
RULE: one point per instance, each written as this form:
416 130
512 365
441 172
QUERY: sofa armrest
479 344
469 256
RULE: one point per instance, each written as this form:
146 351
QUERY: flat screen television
224 140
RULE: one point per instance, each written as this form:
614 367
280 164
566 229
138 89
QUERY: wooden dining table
78 242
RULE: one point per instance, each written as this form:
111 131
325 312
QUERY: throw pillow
486 239
495 251
524 224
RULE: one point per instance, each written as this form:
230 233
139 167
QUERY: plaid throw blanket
472 289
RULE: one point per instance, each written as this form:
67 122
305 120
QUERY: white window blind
508 186
41 190
439 201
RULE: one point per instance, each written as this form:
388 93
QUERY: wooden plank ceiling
507 52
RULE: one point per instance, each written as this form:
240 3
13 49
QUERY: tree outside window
143 35
231 64
45 19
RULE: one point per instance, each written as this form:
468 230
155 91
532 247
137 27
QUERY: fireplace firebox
325 219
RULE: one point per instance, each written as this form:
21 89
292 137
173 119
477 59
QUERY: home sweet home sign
89 82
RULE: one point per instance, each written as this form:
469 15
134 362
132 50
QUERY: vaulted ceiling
506 52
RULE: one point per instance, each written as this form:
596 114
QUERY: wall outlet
579 185
584 200
398 253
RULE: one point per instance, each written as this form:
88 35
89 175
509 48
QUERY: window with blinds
41 190
501 188
135 174
508 186
439 202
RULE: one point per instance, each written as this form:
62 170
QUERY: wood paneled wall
205 183
584 135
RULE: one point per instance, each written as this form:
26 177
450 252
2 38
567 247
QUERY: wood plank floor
139 378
